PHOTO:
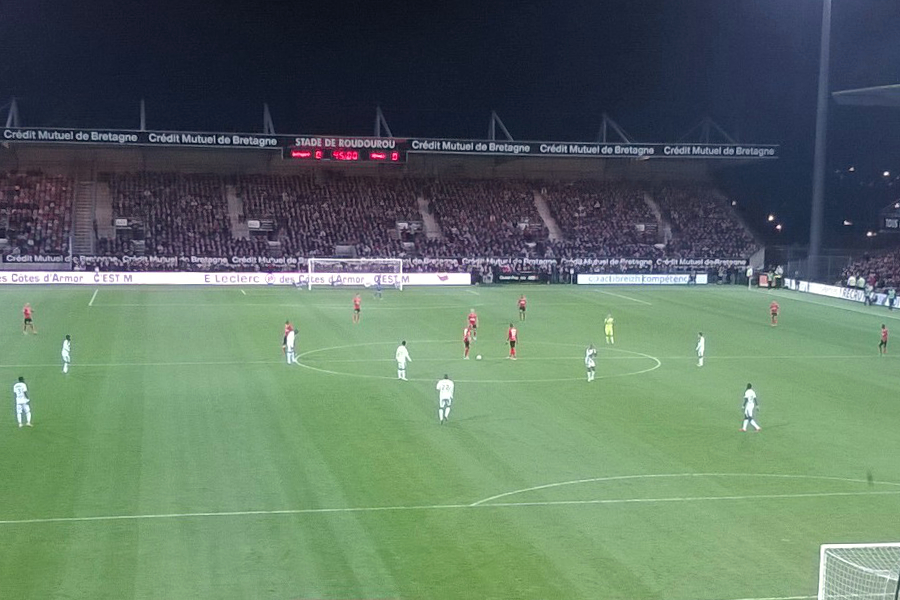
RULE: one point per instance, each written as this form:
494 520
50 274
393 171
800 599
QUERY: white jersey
445 388
289 341
402 355
750 402
701 345
589 355
67 347
21 392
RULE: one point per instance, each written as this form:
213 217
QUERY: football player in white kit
67 353
701 348
751 404
20 391
445 398
402 356
589 362
289 338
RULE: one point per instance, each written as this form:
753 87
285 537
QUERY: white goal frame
366 278
859 571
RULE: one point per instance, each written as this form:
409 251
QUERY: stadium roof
883 95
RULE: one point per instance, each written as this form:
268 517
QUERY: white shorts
65 357
590 364
289 349
445 402
401 366
21 403
699 354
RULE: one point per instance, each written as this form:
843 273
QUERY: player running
445 398
357 301
751 404
473 324
23 406
512 336
522 303
467 339
67 353
773 311
701 348
882 345
28 313
608 329
590 364
402 356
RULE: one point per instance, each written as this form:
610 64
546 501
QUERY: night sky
550 69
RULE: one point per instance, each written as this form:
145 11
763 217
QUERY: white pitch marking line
675 475
624 297
94 297
853 307
425 507
473 292
243 292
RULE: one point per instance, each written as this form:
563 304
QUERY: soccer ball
478 357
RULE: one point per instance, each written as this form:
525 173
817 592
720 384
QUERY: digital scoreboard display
345 155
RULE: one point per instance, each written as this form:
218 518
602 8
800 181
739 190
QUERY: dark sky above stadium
550 69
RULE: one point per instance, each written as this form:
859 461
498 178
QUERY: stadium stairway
540 202
239 228
663 224
103 211
432 227
83 218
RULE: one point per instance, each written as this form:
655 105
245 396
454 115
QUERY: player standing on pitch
608 324
66 353
882 345
512 335
287 329
23 406
751 404
356 307
589 355
773 312
27 312
402 356
701 348
473 324
522 303
467 339
445 398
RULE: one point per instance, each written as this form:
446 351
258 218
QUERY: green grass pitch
182 458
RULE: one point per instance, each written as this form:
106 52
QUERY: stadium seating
37 212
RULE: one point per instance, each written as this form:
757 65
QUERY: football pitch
182 458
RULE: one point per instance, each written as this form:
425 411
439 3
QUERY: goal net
361 272
859 571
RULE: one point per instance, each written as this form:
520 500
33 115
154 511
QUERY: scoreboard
346 155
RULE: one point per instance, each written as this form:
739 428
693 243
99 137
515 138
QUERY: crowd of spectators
880 270
311 217
485 218
704 225
36 212
176 218
602 219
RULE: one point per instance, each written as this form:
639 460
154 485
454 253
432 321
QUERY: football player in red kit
512 336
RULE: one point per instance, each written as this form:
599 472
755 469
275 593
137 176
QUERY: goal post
859 571
366 272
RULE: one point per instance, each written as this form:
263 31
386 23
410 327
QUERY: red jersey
356 301
467 334
511 334
884 334
27 312
522 303
773 307
473 318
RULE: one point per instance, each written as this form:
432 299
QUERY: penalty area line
94 297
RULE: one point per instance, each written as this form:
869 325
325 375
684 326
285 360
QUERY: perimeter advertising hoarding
637 279
226 278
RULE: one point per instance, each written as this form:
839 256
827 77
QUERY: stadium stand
35 212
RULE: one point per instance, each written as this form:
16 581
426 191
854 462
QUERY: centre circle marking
657 363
